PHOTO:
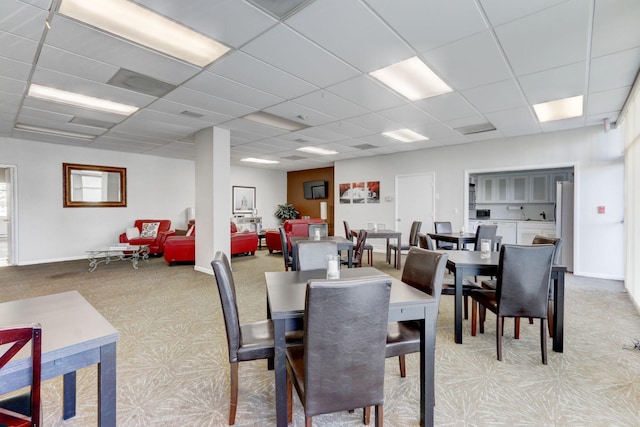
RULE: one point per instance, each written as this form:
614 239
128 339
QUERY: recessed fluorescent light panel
317 150
274 121
71 98
55 132
263 161
412 79
405 135
140 25
560 109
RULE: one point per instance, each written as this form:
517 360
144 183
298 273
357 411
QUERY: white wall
157 187
271 190
596 155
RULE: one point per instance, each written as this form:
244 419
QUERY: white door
7 210
415 201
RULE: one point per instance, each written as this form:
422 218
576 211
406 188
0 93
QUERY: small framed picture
244 199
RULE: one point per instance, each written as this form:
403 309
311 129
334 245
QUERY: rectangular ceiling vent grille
141 83
294 158
300 140
365 146
479 128
280 8
192 114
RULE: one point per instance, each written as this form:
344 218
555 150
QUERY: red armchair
181 248
292 227
243 242
152 232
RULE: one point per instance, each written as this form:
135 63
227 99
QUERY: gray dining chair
423 270
247 341
313 255
443 227
341 364
367 247
413 241
522 290
323 229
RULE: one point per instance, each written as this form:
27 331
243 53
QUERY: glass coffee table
118 252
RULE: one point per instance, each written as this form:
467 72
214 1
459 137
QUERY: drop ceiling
311 66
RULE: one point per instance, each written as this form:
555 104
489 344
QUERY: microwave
483 213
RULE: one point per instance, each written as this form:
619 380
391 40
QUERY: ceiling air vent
479 128
280 8
131 80
92 122
365 146
294 158
192 114
300 140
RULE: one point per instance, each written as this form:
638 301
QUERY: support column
213 195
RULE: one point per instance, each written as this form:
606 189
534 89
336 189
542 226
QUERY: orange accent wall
295 193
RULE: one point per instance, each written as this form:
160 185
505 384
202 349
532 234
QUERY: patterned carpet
173 365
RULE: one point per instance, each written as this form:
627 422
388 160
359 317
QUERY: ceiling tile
330 104
215 104
607 101
13 86
500 12
428 24
474 61
365 92
22 19
285 49
17 48
216 85
550 38
299 113
447 107
615 26
357 35
407 115
498 96
557 83
255 73
615 70
516 117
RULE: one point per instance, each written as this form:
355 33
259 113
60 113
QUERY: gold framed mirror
92 186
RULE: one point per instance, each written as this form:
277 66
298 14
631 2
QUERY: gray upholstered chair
424 270
341 364
313 255
538 240
443 227
522 290
248 341
288 260
486 232
413 241
22 409
367 247
323 229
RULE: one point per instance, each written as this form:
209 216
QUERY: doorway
415 201
7 214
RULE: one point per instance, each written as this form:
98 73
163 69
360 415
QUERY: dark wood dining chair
424 270
368 248
247 341
23 410
413 241
522 290
341 364
286 255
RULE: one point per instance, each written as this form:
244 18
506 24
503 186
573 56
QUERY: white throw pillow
132 233
149 230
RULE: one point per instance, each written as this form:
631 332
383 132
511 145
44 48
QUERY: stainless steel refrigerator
564 222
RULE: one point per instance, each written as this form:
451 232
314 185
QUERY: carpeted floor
173 365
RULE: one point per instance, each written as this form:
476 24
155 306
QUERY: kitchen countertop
513 220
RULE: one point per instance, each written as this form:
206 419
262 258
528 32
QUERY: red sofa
183 248
292 227
156 243
244 241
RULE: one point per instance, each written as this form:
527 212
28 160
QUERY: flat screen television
315 190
